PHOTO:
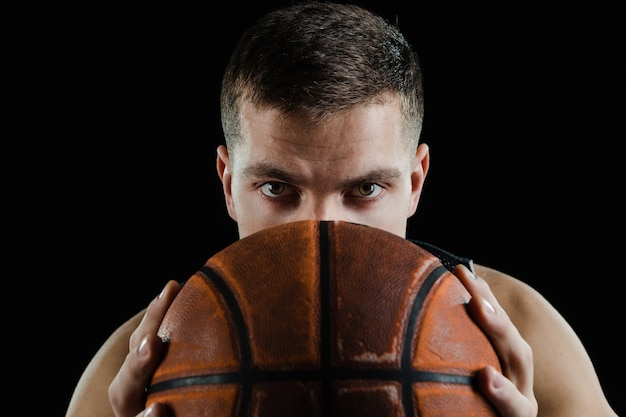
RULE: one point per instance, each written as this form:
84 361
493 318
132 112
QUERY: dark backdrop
114 120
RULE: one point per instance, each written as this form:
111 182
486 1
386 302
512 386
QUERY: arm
552 365
547 371
113 383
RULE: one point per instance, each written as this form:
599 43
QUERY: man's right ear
224 171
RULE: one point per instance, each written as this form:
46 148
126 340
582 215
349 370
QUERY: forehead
365 137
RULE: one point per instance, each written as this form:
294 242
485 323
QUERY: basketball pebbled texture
320 318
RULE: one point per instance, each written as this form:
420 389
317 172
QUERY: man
322 110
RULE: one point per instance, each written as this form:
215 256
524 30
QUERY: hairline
411 128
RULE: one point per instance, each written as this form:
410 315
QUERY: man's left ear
421 162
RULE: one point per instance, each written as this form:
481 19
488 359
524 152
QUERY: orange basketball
317 318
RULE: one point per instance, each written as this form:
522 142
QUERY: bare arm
114 381
90 396
547 372
564 381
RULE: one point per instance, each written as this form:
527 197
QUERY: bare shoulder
521 301
91 392
565 379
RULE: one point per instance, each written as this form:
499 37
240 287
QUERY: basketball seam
247 376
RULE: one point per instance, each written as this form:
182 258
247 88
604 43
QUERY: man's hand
127 390
512 393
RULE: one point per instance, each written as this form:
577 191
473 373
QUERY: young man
322 110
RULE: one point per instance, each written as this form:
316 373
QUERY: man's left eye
370 189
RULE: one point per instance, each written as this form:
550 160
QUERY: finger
504 395
156 410
127 390
154 314
515 354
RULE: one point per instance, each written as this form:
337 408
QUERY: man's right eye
273 189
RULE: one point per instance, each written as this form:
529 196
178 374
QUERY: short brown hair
316 59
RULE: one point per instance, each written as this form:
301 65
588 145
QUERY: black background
112 126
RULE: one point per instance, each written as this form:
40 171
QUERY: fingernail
489 307
162 292
148 412
142 349
470 270
498 380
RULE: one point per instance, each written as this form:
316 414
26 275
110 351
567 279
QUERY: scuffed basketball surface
317 318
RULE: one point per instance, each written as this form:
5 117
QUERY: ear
224 171
421 162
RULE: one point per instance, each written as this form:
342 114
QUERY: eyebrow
266 170
376 175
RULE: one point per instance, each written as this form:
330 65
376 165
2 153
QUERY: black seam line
407 352
314 375
244 340
325 319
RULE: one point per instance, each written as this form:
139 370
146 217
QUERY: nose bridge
323 208
328 209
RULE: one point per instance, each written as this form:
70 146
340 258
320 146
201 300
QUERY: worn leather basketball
318 318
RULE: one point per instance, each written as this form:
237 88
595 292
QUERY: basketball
322 318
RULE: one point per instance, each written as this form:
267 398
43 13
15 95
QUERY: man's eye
369 189
272 189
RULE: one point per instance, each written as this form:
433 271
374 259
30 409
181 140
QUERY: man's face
356 168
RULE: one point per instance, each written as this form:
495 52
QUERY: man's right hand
127 392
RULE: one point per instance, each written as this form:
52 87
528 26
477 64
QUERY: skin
356 167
